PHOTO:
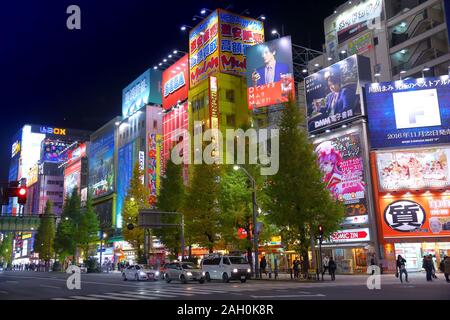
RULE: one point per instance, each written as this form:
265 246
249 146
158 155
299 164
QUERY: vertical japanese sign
204 49
214 109
153 166
237 33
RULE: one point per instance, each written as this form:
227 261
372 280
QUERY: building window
155 124
229 95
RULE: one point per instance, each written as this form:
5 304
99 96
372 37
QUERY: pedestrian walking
325 262
447 269
296 266
427 264
262 266
275 267
433 268
332 268
373 262
401 268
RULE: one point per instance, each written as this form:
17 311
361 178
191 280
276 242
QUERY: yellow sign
15 148
33 174
26 236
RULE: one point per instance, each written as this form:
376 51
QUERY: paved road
37 285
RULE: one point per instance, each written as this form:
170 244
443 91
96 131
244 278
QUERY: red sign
351 235
76 154
242 233
175 83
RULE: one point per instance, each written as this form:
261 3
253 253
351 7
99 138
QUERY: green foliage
88 228
45 235
170 199
137 198
65 240
6 248
201 208
298 200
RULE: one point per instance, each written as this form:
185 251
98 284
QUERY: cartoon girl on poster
329 163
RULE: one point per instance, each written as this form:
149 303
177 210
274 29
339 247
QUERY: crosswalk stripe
84 298
175 293
61 299
155 294
133 295
192 290
108 297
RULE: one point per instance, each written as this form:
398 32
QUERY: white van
226 268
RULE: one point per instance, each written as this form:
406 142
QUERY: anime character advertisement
340 159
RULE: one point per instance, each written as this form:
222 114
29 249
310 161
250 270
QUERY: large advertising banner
414 169
341 160
415 216
54 151
333 95
76 154
409 113
237 34
145 89
72 178
101 165
175 83
125 171
270 73
204 49
345 25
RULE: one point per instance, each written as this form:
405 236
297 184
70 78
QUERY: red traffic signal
20 193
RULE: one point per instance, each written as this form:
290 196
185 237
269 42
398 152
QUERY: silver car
184 272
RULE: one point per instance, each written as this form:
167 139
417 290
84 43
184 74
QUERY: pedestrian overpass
20 223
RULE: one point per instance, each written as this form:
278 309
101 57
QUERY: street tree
6 246
170 199
297 199
45 235
88 229
137 199
201 208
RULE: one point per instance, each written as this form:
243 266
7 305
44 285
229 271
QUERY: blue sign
125 172
145 89
101 165
409 113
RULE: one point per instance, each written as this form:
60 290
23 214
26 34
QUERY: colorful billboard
175 81
349 235
415 216
270 73
204 49
54 151
76 154
101 165
126 157
72 178
420 169
408 113
142 91
341 160
350 22
333 95
219 43
154 166
237 34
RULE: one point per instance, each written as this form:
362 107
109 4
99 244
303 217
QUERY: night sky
74 79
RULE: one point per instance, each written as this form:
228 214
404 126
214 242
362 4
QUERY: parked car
226 268
139 272
184 272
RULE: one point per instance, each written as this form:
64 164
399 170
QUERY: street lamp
275 32
255 234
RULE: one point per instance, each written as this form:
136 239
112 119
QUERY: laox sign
50 130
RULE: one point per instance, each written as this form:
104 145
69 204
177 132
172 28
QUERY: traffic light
20 193
320 231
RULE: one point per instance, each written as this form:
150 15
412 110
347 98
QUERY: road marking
9 281
105 297
45 286
61 299
134 296
83 298
291 296
170 292
149 293
4 292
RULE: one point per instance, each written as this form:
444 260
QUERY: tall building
402 38
217 70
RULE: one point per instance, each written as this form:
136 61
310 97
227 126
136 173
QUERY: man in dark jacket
428 266
332 268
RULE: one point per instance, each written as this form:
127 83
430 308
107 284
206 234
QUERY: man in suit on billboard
272 70
340 98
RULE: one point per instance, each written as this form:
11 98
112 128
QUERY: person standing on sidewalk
401 266
262 266
332 268
325 262
447 269
428 266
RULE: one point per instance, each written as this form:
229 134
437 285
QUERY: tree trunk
304 250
